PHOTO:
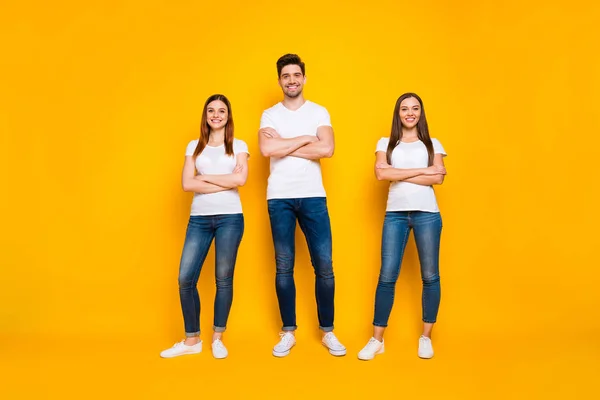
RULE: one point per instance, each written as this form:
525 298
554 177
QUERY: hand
382 165
434 170
269 132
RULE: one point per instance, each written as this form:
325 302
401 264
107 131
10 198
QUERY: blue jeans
313 217
227 230
396 228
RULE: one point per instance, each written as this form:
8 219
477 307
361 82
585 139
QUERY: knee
387 278
186 281
431 279
323 267
284 263
224 282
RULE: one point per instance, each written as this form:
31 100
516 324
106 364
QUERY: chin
293 95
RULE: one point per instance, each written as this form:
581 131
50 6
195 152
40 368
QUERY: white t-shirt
295 177
214 161
406 196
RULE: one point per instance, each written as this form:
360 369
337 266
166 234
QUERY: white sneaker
218 349
282 349
333 344
425 347
180 349
372 348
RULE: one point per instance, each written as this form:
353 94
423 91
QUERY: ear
304 80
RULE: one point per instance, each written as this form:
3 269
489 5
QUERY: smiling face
410 112
292 80
217 114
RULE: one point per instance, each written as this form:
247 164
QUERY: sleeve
437 147
239 146
189 151
266 121
324 119
382 145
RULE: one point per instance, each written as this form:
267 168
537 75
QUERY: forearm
397 174
228 181
314 151
201 187
278 147
426 180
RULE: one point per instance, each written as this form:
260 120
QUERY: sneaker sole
182 354
425 357
337 353
380 351
220 357
283 353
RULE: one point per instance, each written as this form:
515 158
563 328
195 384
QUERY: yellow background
99 100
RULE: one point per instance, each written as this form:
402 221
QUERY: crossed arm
433 175
205 184
306 146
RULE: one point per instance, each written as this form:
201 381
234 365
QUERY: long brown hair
422 129
205 128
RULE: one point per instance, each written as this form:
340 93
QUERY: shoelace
424 341
373 342
217 343
285 337
333 340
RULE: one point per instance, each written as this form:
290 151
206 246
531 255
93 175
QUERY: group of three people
296 134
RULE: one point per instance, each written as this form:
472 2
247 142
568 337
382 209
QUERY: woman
222 165
413 162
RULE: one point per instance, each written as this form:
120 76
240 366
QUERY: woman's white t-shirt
214 161
406 196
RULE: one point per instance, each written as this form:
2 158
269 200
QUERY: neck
410 133
217 136
293 103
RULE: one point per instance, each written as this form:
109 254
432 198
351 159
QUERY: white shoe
180 349
218 349
372 348
333 344
282 349
425 347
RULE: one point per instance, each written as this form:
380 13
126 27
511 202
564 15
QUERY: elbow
265 152
186 187
379 175
439 180
241 181
328 152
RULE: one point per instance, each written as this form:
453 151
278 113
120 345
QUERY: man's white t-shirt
295 177
406 196
214 161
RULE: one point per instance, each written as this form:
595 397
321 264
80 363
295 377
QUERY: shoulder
273 110
189 150
316 107
239 143
384 141
239 146
437 146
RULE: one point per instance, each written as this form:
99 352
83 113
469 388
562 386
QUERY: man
296 134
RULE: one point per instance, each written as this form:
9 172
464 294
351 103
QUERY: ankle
190 341
217 336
